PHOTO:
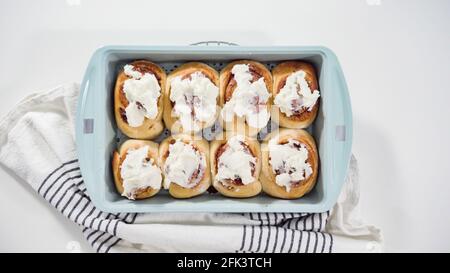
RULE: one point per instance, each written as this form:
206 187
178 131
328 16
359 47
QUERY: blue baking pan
97 135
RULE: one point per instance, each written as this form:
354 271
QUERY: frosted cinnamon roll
289 163
191 98
235 165
296 94
185 165
135 169
138 104
245 88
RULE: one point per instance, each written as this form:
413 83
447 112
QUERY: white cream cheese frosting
195 100
142 92
128 69
181 164
290 160
249 99
296 94
235 162
137 173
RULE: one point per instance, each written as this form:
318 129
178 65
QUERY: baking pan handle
86 131
342 126
215 43
84 115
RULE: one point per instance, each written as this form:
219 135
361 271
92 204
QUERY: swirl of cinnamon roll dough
245 96
236 165
135 169
191 98
295 93
138 100
289 163
184 161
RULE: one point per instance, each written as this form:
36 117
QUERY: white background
395 56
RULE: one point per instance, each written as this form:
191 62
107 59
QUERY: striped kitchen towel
37 142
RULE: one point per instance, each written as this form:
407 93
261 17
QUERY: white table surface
395 56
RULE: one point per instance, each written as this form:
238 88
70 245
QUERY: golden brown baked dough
227 87
150 128
267 176
280 73
172 122
120 155
235 188
200 145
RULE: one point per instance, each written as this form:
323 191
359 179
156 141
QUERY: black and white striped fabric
287 232
64 189
37 143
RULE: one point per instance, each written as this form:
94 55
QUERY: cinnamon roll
135 169
296 94
138 103
235 165
289 163
185 165
245 90
191 98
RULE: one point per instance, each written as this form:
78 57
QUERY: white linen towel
37 142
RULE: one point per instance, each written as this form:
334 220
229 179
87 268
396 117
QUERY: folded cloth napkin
37 143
